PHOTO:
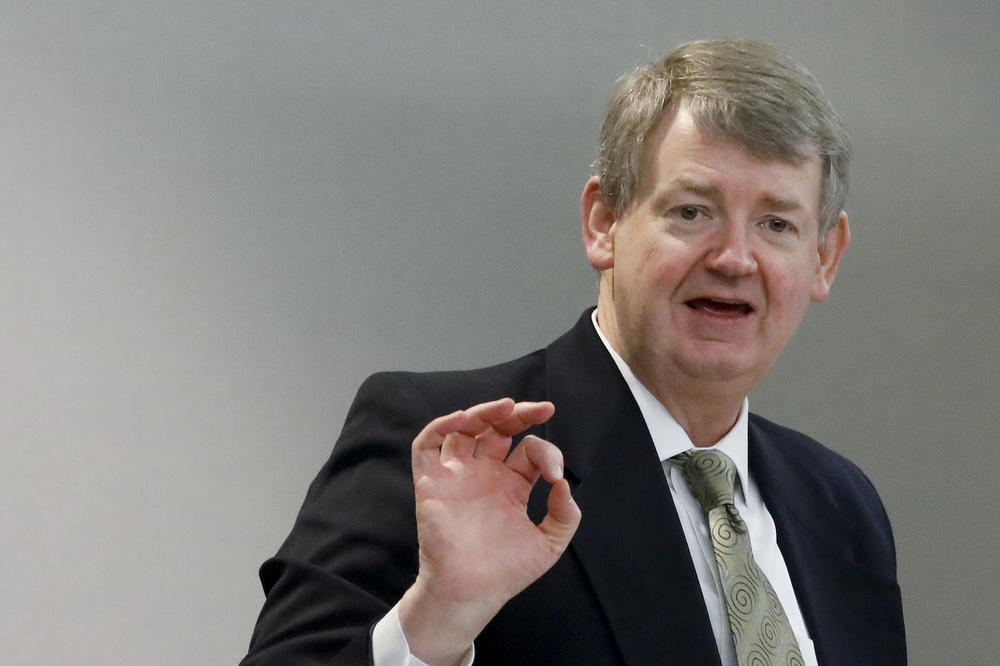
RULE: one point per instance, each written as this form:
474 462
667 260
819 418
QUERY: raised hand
478 548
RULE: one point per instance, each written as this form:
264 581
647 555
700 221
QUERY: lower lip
721 317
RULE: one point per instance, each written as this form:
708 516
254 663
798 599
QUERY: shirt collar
668 436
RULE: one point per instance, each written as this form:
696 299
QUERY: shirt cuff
389 646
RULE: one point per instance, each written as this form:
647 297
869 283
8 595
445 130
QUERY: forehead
677 150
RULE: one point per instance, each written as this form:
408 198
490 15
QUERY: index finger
525 414
472 421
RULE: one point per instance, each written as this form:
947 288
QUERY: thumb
563 517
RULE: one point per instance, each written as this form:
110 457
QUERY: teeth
721 305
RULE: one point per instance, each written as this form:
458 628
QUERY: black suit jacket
626 591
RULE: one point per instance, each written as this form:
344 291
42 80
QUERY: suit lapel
844 604
630 542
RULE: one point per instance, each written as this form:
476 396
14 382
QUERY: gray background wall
219 217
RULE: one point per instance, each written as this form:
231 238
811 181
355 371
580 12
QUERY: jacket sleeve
353 549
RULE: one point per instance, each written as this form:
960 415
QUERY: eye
688 213
778 224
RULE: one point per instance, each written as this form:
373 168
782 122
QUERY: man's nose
732 255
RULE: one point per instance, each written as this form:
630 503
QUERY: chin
716 371
721 366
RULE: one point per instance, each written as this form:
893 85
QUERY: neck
705 417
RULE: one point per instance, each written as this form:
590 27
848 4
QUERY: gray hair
746 91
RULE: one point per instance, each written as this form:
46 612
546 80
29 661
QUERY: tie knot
711 476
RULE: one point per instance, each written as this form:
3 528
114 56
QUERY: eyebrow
694 187
711 191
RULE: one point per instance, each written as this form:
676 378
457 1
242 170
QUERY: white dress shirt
389 644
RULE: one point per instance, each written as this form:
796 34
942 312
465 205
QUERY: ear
838 237
597 220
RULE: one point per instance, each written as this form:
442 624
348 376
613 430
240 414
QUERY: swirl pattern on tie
757 622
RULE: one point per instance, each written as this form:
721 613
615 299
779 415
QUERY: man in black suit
714 218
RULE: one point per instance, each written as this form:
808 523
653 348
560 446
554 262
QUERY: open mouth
722 307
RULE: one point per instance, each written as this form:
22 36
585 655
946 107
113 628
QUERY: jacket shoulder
441 392
836 473
823 478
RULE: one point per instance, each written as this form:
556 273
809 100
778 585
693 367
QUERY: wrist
440 631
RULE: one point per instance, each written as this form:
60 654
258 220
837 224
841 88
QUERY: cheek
661 264
637 267
790 293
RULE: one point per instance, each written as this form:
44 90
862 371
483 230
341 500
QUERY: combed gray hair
743 90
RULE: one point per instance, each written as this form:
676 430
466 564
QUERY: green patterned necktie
757 621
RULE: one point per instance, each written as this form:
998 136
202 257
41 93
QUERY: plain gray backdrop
218 218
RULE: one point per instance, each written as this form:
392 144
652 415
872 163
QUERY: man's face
709 271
